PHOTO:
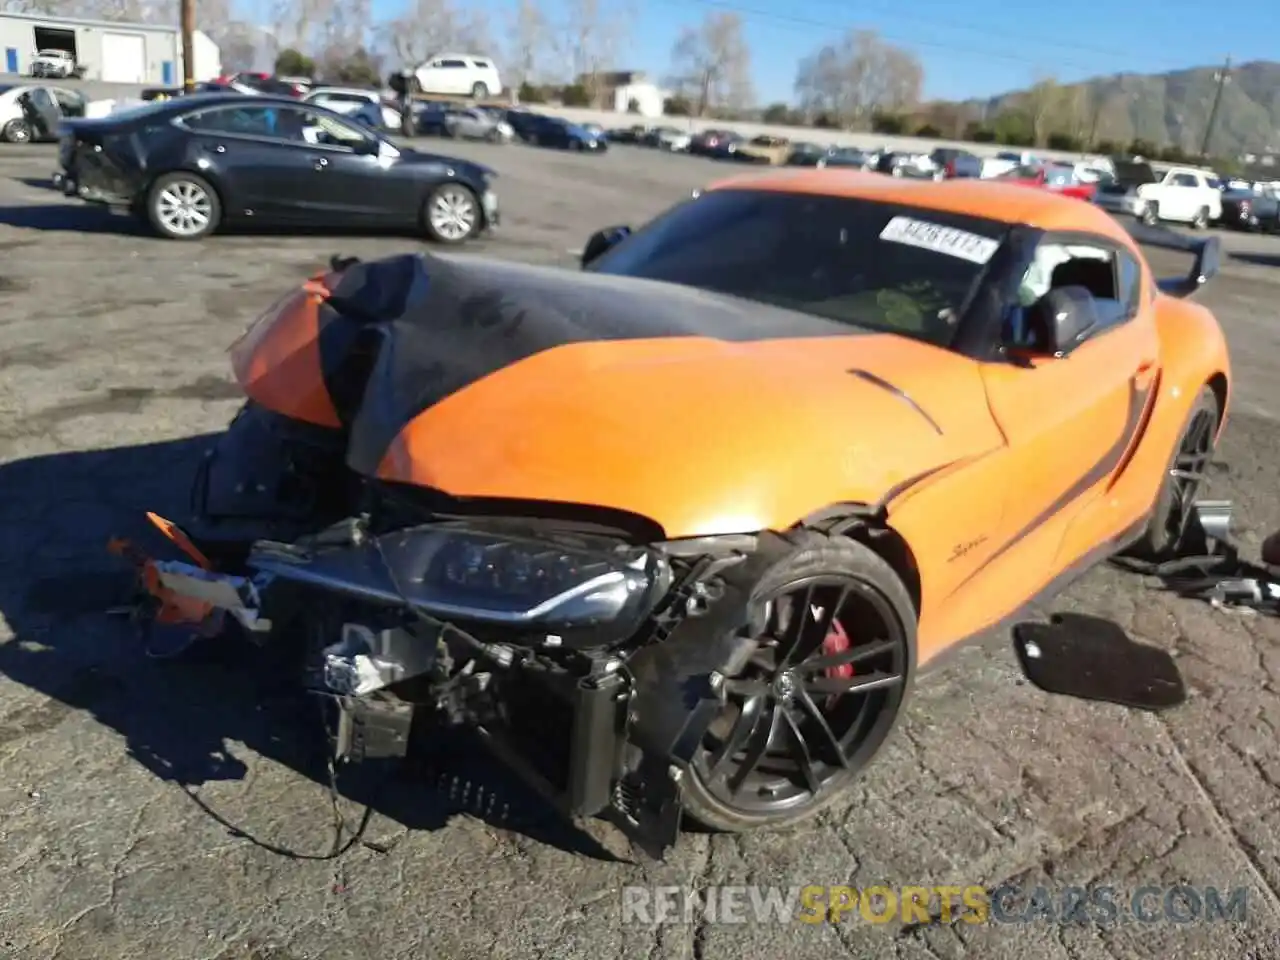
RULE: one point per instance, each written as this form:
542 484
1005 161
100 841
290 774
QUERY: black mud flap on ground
1094 659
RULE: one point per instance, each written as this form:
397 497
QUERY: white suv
1181 195
463 74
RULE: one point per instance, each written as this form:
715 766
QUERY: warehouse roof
36 19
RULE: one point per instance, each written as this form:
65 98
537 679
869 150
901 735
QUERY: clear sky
969 49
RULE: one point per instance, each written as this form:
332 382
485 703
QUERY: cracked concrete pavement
151 809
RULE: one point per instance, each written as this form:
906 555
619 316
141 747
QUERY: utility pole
188 45
1223 77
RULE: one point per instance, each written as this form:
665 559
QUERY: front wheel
1201 222
16 131
452 214
479 91
1187 469
1150 214
183 206
835 656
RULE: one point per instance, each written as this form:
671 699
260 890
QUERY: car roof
987 199
331 88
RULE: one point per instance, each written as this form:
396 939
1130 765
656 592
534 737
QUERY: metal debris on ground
1208 566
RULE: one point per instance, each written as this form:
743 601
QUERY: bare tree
1042 102
590 38
528 33
301 24
713 63
858 77
428 27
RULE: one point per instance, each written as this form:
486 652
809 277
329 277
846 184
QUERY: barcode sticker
940 239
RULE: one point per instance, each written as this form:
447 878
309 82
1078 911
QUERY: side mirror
602 241
368 147
1061 320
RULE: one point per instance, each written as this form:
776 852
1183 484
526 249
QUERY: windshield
872 265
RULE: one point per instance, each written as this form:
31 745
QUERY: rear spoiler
1208 257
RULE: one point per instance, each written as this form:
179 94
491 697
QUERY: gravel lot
152 810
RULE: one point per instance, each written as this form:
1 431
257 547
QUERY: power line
972 27
912 40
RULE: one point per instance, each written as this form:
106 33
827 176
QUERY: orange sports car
676 531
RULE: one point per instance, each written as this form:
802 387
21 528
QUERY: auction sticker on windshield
940 239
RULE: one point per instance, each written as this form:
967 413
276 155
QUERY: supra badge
960 549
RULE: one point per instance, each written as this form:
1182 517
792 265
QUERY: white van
460 74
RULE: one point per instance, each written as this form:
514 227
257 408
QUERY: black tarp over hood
443 323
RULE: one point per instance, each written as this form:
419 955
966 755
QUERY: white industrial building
139 53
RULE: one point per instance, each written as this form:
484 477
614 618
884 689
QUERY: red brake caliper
837 641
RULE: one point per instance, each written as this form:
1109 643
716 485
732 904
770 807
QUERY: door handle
320 163
219 148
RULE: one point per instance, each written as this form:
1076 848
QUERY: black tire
809 560
175 185
16 131
1201 222
437 231
1164 530
479 92
1150 213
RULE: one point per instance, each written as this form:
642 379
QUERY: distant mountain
1167 109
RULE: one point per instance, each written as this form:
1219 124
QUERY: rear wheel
479 91
1201 221
16 131
834 660
183 206
1150 213
1185 477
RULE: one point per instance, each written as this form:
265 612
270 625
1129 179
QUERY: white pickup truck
1178 195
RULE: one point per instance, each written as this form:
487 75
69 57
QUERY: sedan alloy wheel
453 214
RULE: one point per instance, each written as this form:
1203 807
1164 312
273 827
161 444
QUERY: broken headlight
470 575
484 577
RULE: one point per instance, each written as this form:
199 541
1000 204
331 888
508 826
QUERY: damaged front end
583 649
587 664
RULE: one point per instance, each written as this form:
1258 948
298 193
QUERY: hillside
1167 109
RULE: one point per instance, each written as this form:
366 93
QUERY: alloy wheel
814 703
453 213
184 208
1190 466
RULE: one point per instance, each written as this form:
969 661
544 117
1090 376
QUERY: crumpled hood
704 413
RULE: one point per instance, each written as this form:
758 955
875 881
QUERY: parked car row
503 125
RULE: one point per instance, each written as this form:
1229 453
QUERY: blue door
10 59
166 73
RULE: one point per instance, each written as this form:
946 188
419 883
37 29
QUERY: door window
319 129
1112 279
1184 180
245 121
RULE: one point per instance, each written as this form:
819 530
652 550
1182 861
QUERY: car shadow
38 183
89 218
69 218
178 716
1258 259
